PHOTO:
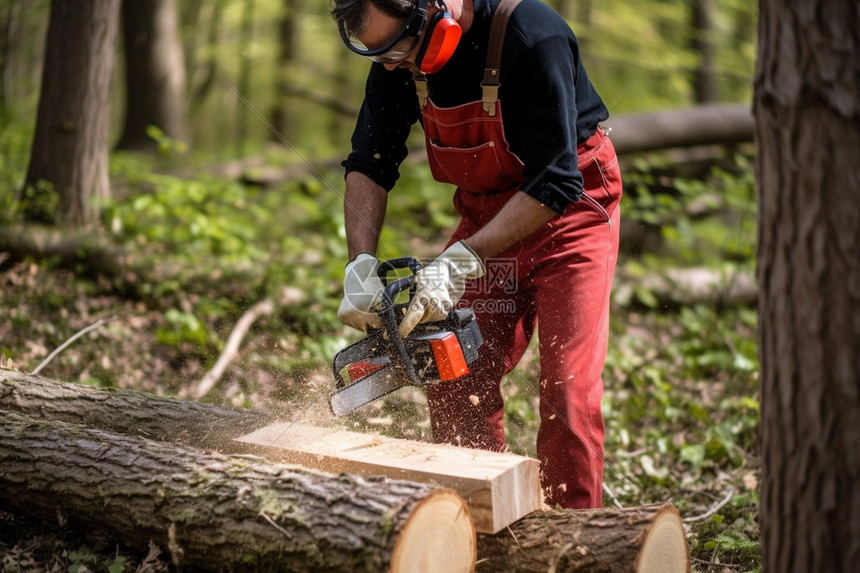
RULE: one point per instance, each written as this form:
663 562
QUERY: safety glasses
399 47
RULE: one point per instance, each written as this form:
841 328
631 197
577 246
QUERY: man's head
398 32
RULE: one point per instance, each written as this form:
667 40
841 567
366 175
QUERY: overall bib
558 278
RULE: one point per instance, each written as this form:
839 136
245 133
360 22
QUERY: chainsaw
384 361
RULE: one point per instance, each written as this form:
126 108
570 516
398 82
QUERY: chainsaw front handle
388 312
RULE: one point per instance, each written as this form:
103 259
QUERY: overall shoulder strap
490 85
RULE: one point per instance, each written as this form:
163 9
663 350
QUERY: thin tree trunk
704 77
68 173
155 73
8 35
808 173
203 69
288 38
244 83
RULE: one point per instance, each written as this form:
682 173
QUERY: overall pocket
480 169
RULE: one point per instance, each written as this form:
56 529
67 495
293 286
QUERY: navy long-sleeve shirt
548 103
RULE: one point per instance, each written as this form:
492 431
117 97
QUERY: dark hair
353 12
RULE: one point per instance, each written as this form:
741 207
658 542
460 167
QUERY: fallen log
525 542
498 488
646 539
701 125
672 288
129 412
712 124
217 512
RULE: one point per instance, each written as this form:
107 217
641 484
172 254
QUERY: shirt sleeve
546 74
389 110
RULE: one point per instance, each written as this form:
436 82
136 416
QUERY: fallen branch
262 308
234 341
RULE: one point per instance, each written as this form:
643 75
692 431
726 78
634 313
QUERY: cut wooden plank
499 488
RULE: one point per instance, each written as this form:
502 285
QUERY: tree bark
215 512
128 412
637 539
807 114
155 74
68 172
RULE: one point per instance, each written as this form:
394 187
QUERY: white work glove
440 285
362 291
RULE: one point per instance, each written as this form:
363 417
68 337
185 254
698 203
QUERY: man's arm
521 216
364 212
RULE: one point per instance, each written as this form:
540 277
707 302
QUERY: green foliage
84 560
15 139
166 145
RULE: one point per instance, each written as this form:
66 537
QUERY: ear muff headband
443 35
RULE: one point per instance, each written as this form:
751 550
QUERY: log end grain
439 536
664 547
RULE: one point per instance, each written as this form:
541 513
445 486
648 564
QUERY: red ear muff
443 35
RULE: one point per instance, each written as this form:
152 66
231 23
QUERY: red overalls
558 278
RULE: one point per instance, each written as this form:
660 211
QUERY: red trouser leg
564 275
573 314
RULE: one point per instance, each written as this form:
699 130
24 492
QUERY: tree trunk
243 86
704 76
155 73
202 65
68 172
215 512
8 35
808 174
637 539
288 40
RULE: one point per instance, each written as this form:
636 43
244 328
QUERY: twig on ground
611 495
714 509
60 348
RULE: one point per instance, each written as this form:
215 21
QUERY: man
538 189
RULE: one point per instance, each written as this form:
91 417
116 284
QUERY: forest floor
671 436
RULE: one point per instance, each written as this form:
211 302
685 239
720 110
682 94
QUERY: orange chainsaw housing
450 360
